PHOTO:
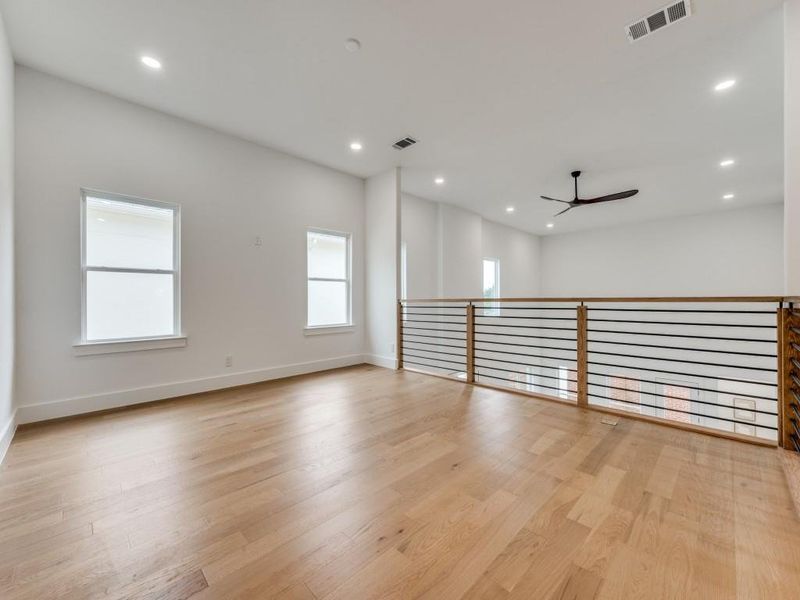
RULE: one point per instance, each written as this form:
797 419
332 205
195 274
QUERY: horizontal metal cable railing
530 346
434 337
724 365
705 364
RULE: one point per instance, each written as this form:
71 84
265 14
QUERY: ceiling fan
586 201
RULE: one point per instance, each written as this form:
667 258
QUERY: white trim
116 346
387 362
329 329
7 434
86 404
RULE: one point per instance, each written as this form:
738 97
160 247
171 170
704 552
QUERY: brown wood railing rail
789 358
729 365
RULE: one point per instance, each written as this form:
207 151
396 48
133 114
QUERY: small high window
491 285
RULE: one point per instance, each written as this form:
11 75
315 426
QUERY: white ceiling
506 97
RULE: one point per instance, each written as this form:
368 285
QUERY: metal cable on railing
716 378
523 347
727 365
432 337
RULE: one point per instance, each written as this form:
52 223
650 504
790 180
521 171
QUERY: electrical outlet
258 241
392 350
228 361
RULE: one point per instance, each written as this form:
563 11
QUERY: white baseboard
85 404
388 362
7 431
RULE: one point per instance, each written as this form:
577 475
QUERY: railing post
783 373
470 343
583 357
399 351
788 374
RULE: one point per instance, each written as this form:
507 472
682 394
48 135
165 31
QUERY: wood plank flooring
367 483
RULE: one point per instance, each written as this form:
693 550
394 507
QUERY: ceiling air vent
404 143
662 18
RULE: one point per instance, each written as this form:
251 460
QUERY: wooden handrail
688 299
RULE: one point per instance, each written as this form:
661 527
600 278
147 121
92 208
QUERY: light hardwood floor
367 483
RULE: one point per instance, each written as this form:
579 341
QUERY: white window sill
329 329
113 347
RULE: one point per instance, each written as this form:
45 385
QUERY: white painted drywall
382 265
239 299
518 253
446 246
6 242
736 252
791 115
460 252
420 233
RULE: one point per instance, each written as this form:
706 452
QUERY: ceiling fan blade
569 208
610 197
554 199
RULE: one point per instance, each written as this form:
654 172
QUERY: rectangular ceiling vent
665 17
404 143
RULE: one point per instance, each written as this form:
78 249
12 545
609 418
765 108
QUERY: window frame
348 281
114 343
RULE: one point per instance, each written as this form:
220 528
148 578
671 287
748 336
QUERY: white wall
446 246
420 229
460 252
736 252
518 253
6 243
791 115
239 299
382 265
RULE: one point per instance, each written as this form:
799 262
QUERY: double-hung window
328 279
130 268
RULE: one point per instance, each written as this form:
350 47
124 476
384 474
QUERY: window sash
347 280
176 261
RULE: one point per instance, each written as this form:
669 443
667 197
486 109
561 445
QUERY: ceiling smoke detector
664 17
352 45
404 143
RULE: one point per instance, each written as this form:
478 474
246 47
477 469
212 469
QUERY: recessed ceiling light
439 181
551 225
355 146
510 209
728 162
724 85
151 62
728 197
352 45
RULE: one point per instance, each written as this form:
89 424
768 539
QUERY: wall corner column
791 201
